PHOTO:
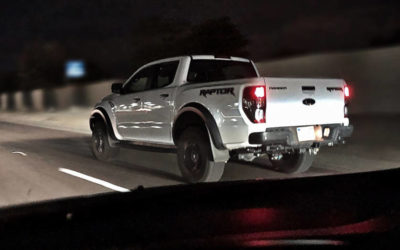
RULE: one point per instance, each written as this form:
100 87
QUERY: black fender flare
101 112
208 120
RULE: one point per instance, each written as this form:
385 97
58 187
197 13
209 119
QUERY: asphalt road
39 164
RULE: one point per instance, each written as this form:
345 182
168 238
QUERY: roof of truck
219 57
201 57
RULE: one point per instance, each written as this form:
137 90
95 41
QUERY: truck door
129 112
159 104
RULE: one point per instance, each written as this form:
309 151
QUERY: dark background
115 37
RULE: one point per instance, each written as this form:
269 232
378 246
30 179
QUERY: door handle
136 99
164 95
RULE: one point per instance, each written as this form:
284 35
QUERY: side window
165 73
141 81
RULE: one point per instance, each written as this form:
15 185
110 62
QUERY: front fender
100 112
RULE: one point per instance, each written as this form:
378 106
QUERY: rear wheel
100 144
194 157
294 162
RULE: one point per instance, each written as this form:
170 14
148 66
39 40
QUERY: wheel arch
101 114
195 113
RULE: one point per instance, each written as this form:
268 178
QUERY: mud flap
219 155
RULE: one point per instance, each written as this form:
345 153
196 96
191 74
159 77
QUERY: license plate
306 133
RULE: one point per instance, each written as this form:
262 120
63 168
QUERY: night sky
275 28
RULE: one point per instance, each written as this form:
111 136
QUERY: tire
293 163
100 144
194 157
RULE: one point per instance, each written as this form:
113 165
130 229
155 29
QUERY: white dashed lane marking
20 153
94 180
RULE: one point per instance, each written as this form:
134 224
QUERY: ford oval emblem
308 101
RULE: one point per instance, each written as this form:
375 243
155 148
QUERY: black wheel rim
193 159
99 141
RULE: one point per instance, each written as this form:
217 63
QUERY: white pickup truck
211 109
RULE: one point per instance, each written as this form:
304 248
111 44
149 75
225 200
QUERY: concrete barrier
10 101
3 101
64 97
56 98
38 99
95 92
19 101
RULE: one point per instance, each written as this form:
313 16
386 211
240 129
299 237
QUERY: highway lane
38 163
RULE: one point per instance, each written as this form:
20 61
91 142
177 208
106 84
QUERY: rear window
219 70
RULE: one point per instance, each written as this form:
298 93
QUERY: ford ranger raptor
210 109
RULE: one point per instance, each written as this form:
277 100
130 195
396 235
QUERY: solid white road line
18 152
94 180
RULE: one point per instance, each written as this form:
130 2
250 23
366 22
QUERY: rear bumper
288 136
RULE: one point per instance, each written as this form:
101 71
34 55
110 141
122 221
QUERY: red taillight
346 91
254 103
259 92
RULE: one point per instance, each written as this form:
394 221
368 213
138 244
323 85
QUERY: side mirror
116 88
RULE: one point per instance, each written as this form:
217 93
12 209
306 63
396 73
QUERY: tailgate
297 101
